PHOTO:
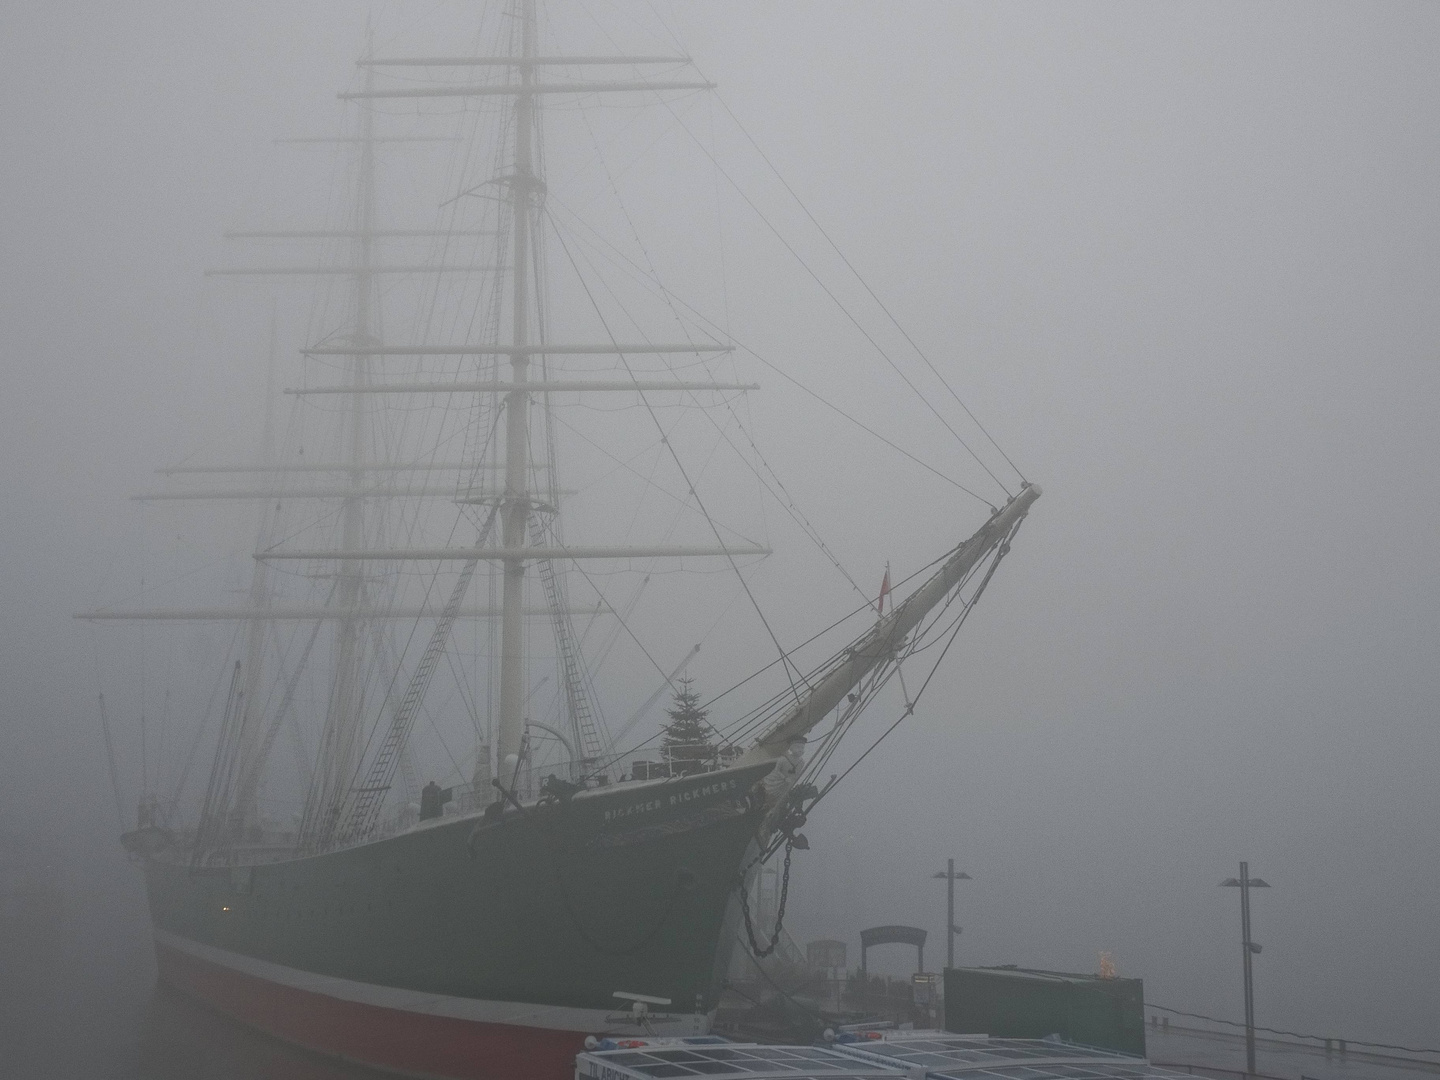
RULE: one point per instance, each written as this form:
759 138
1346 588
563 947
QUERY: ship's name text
689 794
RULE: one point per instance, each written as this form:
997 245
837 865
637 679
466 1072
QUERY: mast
352 582
353 475
338 762
517 503
253 707
515 509
334 810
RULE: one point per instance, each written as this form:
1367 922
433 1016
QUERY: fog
1181 261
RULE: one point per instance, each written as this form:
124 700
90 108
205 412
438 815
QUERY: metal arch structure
891 935
575 764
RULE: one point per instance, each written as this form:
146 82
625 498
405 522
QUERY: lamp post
951 929
1248 949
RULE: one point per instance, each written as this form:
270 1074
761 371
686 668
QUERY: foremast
889 633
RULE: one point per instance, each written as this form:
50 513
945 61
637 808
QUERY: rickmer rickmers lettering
574 886
674 799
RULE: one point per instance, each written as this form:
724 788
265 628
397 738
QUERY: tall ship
410 545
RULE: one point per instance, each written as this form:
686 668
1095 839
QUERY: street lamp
951 929
1248 948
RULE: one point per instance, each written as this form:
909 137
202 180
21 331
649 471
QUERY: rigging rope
250 780
715 95
788 502
680 465
831 294
361 815
866 285
758 716
706 321
1000 552
205 717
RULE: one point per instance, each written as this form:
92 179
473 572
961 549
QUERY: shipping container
1020 1003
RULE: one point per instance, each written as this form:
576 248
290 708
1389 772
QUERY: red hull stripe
424 1042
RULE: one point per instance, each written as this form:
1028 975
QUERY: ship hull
467 948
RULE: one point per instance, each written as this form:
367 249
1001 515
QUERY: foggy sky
1181 260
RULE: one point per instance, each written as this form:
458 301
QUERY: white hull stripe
524 1014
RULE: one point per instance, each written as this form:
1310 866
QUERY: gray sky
1181 259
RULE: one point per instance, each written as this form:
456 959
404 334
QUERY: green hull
628 888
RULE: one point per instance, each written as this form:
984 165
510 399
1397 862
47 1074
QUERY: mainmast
515 507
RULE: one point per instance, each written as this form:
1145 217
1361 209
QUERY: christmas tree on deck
686 747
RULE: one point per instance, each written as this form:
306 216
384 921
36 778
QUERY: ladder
588 742
364 810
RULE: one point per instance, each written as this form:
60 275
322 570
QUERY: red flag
884 588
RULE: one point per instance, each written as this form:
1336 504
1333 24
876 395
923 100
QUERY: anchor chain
755 946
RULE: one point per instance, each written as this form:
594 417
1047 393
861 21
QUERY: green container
1017 1003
